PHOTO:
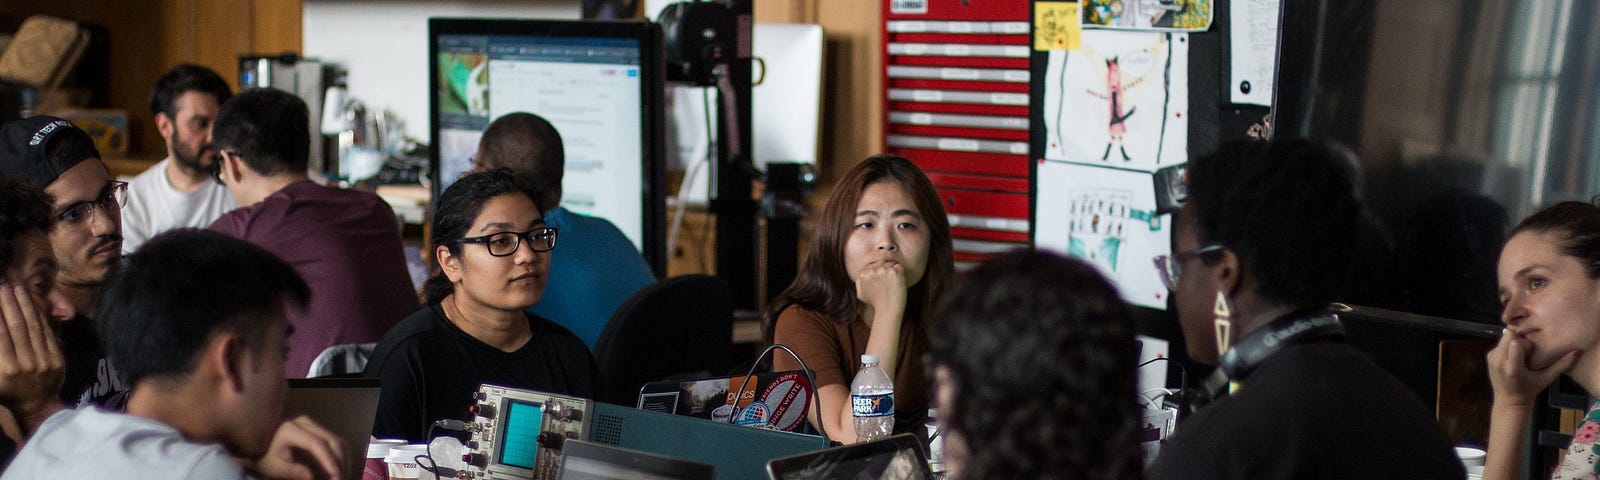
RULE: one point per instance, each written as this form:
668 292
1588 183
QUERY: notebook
344 406
899 457
582 460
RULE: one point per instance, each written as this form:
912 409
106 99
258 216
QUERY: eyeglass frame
1167 266
216 172
115 192
519 236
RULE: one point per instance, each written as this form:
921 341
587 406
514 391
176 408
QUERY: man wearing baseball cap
51 154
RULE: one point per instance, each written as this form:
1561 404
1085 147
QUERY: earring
1223 323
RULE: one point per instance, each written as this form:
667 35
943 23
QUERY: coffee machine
304 77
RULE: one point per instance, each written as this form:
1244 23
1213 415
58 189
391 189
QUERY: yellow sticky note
1056 26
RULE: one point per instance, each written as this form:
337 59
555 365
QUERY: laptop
582 460
899 457
344 406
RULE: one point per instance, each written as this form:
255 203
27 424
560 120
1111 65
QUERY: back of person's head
268 128
37 150
529 145
1576 226
824 285
1039 353
23 210
182 288
457 208
182 79
1287 208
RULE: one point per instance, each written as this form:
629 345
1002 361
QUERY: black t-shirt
89 378
1312 411
430 369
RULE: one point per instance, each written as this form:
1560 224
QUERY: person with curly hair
30 355
1549 275
1264 243
881 255
1032 356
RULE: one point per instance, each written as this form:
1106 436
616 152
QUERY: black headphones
1245 356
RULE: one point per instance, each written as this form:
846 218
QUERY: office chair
680 327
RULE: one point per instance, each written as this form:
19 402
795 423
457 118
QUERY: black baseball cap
25 146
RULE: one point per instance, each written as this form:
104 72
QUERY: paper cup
1471 457
402 461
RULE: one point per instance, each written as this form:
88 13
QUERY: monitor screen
598 83
519 431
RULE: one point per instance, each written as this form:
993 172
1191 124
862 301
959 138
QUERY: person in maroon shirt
345 243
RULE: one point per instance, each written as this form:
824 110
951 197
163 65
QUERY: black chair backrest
680 327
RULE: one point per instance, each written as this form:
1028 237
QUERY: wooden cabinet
147 37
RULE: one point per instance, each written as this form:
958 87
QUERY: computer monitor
599 83
582 460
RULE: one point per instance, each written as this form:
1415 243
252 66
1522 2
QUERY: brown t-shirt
833 349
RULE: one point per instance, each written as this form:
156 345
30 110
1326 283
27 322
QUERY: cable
816 397
690 175
447 424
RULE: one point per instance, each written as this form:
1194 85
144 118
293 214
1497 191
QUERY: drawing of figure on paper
1120 100
1118 126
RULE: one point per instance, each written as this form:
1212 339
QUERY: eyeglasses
542 239
216 170
1169 265
114 195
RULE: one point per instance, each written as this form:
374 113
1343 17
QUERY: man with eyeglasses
51 154
344 243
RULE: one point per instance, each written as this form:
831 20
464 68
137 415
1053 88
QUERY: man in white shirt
203 329
179 190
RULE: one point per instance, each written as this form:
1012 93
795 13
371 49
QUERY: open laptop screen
895 458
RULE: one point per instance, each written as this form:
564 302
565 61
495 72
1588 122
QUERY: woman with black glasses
491 258
1265 241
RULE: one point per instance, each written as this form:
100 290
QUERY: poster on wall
1120 100
1105 216
1161 15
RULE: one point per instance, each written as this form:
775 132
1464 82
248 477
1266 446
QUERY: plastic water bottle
872 401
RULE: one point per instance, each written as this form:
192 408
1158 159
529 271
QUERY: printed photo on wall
1107 217
1121 100
1163 15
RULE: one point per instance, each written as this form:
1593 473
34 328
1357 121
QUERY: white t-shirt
90 443
154 206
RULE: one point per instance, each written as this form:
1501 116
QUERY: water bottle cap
869 358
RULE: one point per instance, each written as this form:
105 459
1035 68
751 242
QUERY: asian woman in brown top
880 257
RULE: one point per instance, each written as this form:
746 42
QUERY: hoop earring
1222 324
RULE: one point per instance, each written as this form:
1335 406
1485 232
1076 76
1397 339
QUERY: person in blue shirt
587 282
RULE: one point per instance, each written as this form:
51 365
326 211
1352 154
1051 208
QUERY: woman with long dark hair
491 261
880 256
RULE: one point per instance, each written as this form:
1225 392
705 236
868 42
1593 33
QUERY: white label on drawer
960 27
909 26
1016 51
957 50
908 7
921 119
1016 75
958 144
1010 27
958 74
915 48
1009 98
928 96
1019 148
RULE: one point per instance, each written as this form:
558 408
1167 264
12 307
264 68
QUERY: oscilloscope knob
550 440
475 459
482 410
